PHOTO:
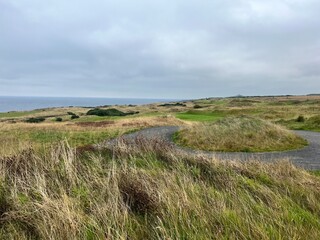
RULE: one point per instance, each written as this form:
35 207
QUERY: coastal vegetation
239 134
111 112
56 182
146 190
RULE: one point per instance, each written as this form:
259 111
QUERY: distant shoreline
13 104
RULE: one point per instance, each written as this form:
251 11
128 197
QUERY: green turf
201 116
18 114
315 172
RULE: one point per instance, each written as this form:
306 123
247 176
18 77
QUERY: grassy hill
239 134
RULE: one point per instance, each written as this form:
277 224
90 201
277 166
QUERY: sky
174 49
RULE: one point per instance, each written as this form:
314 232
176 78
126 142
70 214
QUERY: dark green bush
173 105
71 113
300 119
58 119
131 113
35 120
107 112
197 106
74 117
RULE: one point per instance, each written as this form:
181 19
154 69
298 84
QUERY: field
56 185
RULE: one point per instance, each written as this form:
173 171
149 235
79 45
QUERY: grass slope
148 191
18 114
309 124
239 134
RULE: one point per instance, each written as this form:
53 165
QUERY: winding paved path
308 157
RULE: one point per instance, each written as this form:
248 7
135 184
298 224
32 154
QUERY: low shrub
132 112
300 119
109 112
58 119
173 105
197 106
74 117
35 120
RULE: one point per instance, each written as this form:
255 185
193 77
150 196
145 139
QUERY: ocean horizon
26 103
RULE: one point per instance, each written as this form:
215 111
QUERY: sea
8 104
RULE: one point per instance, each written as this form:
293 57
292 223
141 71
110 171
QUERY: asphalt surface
307 158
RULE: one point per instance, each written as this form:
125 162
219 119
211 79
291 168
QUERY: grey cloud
162 49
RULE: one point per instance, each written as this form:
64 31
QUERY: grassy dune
148 191
242 134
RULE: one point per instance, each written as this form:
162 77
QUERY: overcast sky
159 48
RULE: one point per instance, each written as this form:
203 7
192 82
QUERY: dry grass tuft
85 149
138 194
95 124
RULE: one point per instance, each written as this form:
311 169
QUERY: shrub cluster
35 120
109 112
173 105
73 115
300 119
197 106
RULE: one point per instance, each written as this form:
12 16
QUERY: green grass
316 173
75 138
98 118
201 116
310 124
45 137
19 114
95 118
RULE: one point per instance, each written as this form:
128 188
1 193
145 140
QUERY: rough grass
310 124
146 190
42 135
239 134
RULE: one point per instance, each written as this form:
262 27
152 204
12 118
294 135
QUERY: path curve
308 157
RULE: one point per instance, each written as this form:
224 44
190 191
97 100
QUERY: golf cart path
308 157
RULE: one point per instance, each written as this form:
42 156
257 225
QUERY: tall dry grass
17 136
146 190
239 134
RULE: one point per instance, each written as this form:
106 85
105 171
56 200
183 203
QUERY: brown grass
239 134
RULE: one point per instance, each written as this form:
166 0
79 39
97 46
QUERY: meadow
55 184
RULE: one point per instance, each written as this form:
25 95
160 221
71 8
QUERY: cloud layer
159 49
